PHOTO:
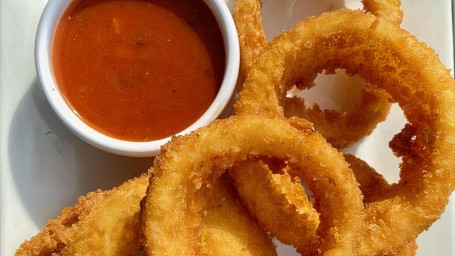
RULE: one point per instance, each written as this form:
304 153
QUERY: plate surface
44 167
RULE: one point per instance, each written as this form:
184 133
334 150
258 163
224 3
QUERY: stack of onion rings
355 211
340 129
175 200
380 52
410 72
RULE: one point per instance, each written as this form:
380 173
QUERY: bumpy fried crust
385 55
101 223
228 229
282 206
279 203
343 129
388 9
407 250
107 223
372 184
252 39
247 18
340 129
176 198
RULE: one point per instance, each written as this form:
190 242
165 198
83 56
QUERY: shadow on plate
51 166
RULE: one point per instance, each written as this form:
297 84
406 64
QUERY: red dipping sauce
138 70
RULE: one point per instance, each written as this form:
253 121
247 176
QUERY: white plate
44 167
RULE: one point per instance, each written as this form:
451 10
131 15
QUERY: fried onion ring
252 39
101 223
176 202
247 18
385 55
227 227
340 129
107 223
371 185
343 129
279 203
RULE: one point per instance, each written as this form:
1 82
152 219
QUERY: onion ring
282 206
372 184
340 129
385 55
82 229
227 227
252 39
247 18
344 129
279 203
175 201
107 223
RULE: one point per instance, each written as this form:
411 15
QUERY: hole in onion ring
374 148
339 91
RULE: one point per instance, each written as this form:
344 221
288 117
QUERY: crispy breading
279 203
108 223
101 223
228 229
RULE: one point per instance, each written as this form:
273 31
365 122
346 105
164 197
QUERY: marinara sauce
138 70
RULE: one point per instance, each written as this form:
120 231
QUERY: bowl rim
43 46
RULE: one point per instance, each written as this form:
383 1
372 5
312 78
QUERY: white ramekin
43 46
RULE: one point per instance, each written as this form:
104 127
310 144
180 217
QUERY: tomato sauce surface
138 70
